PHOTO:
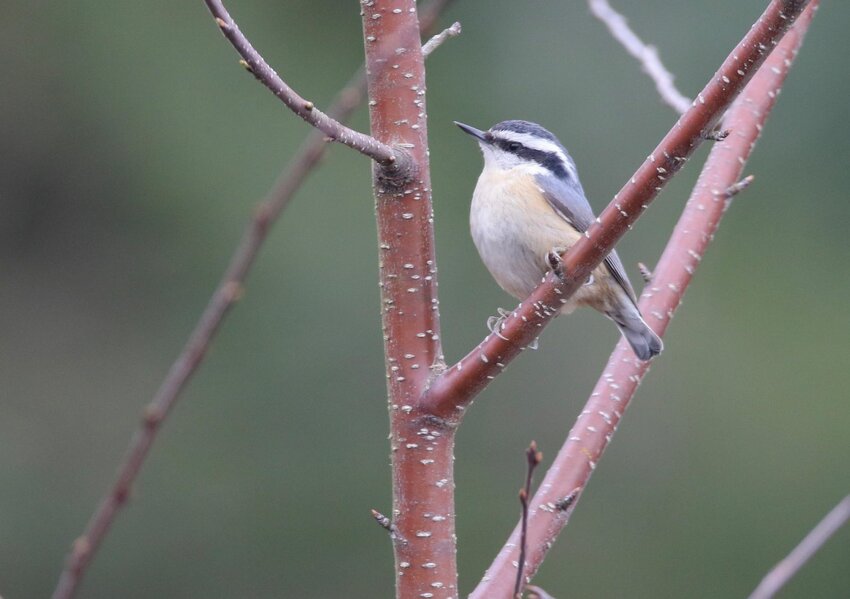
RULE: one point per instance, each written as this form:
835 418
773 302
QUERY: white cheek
495 158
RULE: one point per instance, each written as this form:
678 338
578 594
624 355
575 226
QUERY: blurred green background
132 150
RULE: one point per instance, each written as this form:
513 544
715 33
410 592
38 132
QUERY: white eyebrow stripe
537 143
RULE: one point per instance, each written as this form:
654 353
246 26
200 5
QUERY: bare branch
533 459
717 134
382 520
452 391
645 54
254 62
227 293
595 426
802 553
738 187
437 41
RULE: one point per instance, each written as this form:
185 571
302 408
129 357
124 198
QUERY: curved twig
254 62
594 428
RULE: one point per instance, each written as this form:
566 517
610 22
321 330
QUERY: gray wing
569 201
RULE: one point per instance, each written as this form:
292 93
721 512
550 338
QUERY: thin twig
455 388
598 421
331 127
645 54
223 298
533 459
435 42
718 134
738 187
785 570
382 520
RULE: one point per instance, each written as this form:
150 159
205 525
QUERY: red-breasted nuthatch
528 203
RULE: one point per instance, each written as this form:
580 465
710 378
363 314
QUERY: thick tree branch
380 152
594 428
452 391
422 446
802 553
645 54
224 297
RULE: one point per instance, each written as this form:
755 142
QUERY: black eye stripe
549 160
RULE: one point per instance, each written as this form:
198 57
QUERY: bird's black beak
476 133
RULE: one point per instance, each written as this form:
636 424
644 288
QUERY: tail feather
645 343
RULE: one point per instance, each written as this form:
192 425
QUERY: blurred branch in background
802 553
599 419
227 293
645 54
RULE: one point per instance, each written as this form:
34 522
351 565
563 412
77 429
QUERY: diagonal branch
455 388
645 54
594 428
224 297
802 553
365 144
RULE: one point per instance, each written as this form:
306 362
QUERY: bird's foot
497 323
556 263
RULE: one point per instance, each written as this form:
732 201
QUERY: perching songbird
528 203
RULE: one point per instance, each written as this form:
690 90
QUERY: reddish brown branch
645 54
454 389
224 297
802 553
331 127
597 423
422 445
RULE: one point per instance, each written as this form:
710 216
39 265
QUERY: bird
528 203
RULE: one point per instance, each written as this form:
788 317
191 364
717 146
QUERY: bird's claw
556 263
497 323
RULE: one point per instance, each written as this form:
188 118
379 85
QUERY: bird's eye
514 146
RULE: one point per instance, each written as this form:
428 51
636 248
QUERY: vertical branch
422 446
594 428
533 459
